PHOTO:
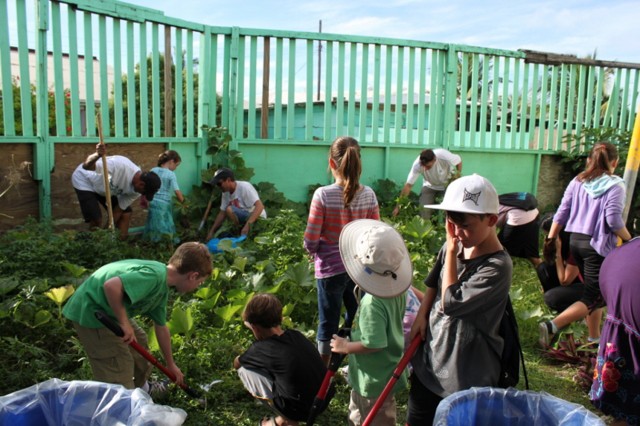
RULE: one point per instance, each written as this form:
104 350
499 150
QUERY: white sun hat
375 257
469 194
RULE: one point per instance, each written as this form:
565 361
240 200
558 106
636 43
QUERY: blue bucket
497 406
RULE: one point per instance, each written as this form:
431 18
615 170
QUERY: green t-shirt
378 325
145 288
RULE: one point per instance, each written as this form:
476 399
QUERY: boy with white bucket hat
378 262
466 295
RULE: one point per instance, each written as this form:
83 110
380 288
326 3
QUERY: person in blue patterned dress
160 223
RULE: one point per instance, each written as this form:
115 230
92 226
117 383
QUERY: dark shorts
90 205
589 263
522 240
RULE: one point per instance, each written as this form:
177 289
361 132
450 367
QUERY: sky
577 27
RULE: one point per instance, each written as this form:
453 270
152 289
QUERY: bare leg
123 225
593 323
573 313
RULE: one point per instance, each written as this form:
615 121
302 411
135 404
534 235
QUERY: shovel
117 330
334 363
413 347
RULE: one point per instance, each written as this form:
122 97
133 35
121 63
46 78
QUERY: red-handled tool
320 401
117 330
394 378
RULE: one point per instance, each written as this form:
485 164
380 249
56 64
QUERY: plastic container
213 243
82 403
497 406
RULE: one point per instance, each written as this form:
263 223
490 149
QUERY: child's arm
114 292
450 268
164 341
344 346
422 318
179 196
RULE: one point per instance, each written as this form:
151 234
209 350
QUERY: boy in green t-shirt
123 290
378 262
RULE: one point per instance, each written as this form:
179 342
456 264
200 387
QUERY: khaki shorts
113 361
359 408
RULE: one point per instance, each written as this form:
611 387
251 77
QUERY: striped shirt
327 217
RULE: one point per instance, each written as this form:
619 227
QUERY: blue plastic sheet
497 406
214 243
81 403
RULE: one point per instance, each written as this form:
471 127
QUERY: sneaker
158 388
546 334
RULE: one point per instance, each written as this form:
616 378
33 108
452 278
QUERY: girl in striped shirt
332 207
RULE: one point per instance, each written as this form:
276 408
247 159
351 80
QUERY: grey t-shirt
462 347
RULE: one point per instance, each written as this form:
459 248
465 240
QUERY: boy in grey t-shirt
464 302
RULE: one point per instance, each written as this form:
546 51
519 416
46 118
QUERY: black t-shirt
296 367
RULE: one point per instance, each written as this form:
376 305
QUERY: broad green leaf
288 309
236 294
8 284
207 293
41 317
300 274
240 263
257 279
533 313
274 289
152 340
181 321
60 294
227 312
75 270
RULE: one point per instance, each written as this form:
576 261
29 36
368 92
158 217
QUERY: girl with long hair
591 209
159 224
332 207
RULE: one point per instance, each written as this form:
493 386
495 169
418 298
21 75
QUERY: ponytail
168 156
601 157
345 152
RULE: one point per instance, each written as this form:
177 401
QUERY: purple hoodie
594 208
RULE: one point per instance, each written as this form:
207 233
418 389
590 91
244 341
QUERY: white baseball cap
375 257
469 194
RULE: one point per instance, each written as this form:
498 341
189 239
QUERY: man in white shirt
240 202
438 167
126 183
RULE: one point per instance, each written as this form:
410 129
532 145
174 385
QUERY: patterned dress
159 224
616 384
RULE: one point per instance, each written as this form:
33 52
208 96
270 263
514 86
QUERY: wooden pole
631 168
105 174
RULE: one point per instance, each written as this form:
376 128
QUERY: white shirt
121 172
244 197
437 176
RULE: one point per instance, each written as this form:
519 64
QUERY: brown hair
192 257
264 310
168 156
427 156
345 152
599 162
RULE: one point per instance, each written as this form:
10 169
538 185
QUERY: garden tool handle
112 325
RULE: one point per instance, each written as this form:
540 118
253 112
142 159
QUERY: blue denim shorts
241 214
332 293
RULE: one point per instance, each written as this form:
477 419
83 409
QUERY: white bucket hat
375 257
469 194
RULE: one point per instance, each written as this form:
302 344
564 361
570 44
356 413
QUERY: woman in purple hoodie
591 209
